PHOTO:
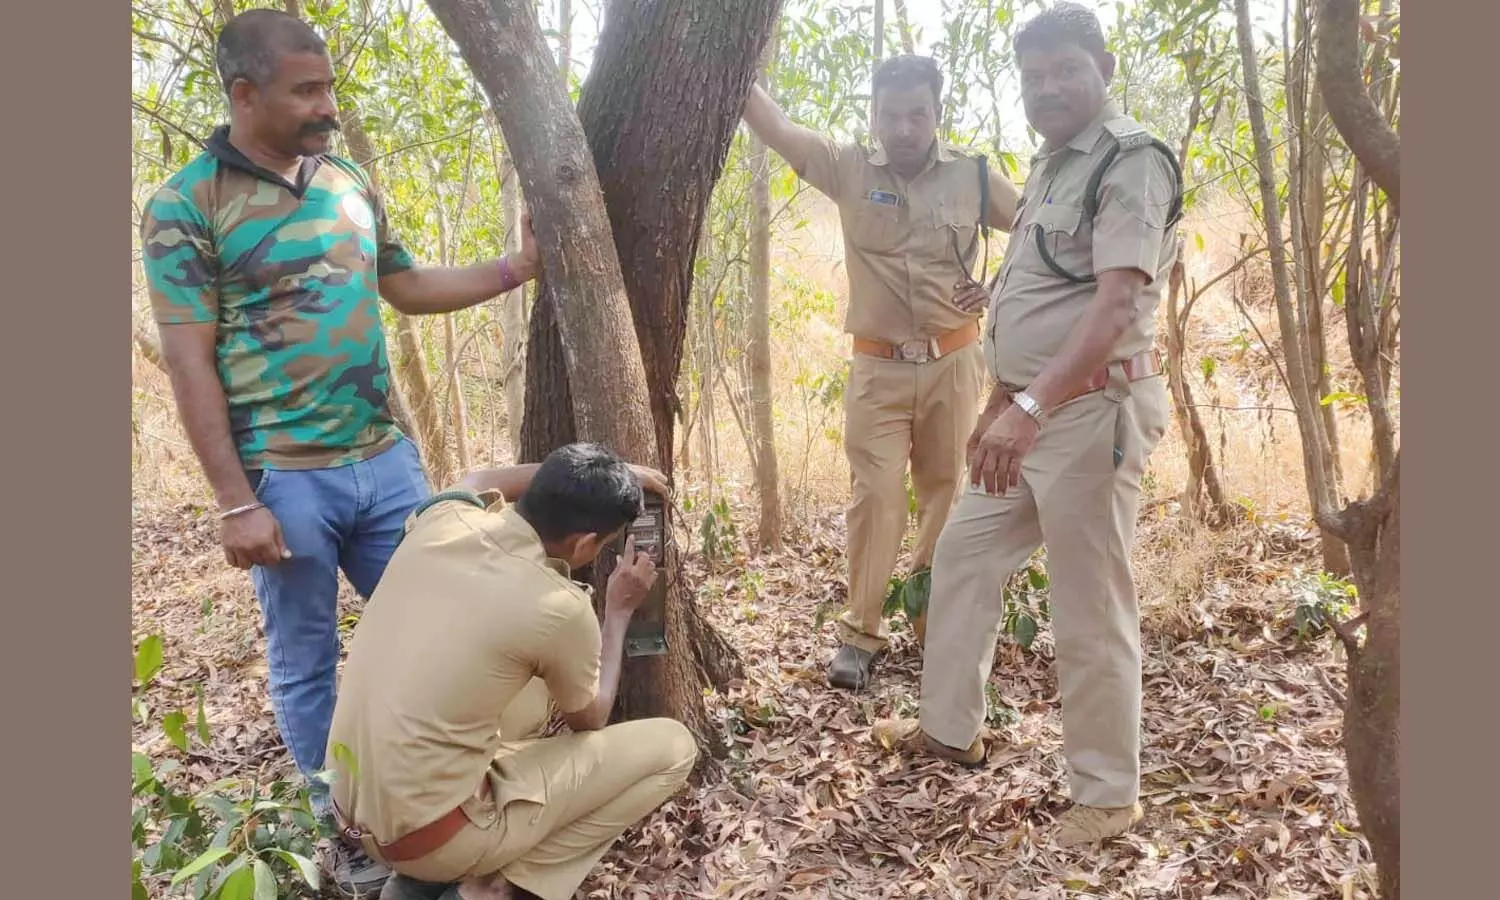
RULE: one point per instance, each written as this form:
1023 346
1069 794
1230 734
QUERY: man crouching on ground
438 764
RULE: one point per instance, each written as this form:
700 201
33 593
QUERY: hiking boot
400 887
850 669
1093 824
907 736
354 874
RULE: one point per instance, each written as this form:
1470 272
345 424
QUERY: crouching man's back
439 765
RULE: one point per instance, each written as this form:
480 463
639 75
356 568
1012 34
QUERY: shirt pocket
1057 239
877 227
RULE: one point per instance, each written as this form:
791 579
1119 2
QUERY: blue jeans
345 518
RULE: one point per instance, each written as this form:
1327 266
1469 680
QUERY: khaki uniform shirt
468 611
900 257
1032 308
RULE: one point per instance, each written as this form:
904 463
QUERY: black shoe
354 875
850 669
400 887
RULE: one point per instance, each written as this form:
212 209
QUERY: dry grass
1245 780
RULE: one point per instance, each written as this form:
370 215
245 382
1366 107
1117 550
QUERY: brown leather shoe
850 668
907 736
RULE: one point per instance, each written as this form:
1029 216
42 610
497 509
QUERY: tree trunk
1357 118
513 318
564 38
767 474
1372 712
1299 380
1301 150
1201 470
657 65
409 363
903 25
1372 717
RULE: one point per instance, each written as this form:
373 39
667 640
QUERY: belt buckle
915 350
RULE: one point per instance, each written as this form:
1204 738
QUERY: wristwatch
1029 406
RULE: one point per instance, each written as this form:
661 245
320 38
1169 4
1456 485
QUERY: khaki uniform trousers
895 412
555 805
1074 499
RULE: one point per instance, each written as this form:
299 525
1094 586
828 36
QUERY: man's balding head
253 42
279 82
1065 70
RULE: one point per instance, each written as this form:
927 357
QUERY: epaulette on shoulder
1128 133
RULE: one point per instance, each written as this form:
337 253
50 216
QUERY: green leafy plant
908 595
225 842
718 532
1318 599
1026 605
220 843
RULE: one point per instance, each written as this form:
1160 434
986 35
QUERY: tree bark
1305 209
1299 380
1372 717
657 65
767 474
503 46
513 318
1201 470
1202 473
1368 134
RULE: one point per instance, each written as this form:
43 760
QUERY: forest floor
1244 780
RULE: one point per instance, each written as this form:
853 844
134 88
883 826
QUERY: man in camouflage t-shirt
266 258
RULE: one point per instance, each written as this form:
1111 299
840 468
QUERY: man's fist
253 539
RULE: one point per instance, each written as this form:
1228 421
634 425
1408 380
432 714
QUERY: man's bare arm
628 586
792 142
430 290
612 653
188 351
1005 200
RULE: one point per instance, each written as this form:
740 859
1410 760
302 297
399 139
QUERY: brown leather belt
1143 365
920 350
416 844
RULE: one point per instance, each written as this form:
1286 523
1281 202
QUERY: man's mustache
322 126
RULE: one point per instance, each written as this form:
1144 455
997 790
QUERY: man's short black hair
1064 22
581 489
253 42
908 71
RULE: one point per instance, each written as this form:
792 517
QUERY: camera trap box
647 634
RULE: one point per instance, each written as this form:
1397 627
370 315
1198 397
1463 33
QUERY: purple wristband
508 281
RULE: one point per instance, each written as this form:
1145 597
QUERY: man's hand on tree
652 480
528 263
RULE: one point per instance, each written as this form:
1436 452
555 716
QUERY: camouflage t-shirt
289 275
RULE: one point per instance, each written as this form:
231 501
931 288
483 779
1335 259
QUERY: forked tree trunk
657 65
1202 473
768 474
1372 529
1301 383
